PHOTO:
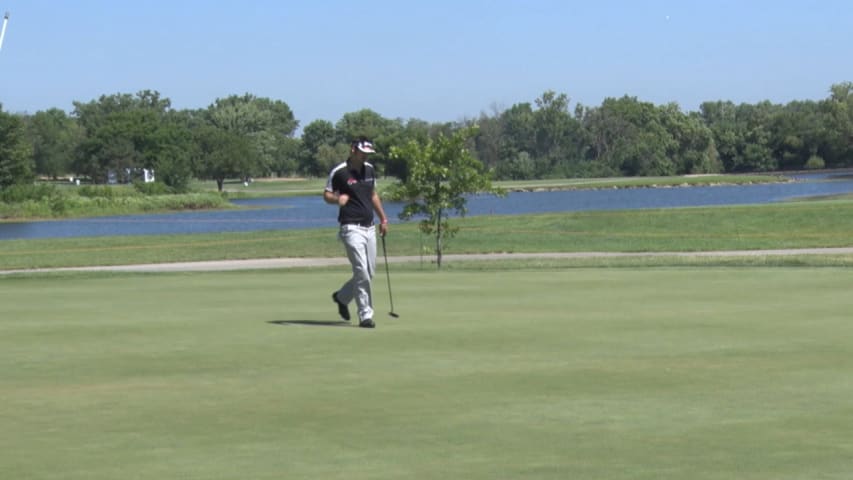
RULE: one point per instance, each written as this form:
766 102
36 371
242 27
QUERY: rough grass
792 225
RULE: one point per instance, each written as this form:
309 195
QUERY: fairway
599 373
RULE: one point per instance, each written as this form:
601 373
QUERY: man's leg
370 253
360 244
346 293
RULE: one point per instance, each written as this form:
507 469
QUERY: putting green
622 373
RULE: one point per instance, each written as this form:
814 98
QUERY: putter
388 275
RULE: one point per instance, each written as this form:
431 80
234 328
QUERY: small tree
441 172
815 162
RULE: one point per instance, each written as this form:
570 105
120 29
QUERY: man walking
352 187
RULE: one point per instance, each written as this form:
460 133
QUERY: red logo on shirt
351 181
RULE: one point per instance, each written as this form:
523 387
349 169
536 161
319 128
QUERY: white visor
366 147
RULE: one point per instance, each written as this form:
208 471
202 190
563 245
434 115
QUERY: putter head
393 314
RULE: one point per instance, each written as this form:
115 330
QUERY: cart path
273 263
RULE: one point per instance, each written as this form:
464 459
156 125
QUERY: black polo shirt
359 184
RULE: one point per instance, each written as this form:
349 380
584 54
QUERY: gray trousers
360 244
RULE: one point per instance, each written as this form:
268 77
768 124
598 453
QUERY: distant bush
519 167
587 170
815 163
191 201
153 188
95 191
26 209
22 193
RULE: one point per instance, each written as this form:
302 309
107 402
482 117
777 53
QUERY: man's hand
383 228
343 199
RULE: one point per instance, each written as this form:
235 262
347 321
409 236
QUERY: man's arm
340 199
331 195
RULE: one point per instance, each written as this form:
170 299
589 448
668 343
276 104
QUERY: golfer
352 187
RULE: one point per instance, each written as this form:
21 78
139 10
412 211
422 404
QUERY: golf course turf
605 373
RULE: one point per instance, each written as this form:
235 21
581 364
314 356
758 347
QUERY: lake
312 212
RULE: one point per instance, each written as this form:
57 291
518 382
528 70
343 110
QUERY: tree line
245 136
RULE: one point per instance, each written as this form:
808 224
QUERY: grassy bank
637 182
48 201
270 187
287 187
774 226
587 373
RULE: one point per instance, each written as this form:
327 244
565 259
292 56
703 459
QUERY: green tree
411 130
519 132
380 130
520 167
488 139
247 114
315 135
366 123
126 131
441 172
16 164
547 135
756 154
330 155
798 133
222 154
692 149
288 156
556 134
54 136
721 118
629 137
262 121
171 154
838 109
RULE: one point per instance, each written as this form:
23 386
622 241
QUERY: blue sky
438 61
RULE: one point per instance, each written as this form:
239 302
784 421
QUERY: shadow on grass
312 323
